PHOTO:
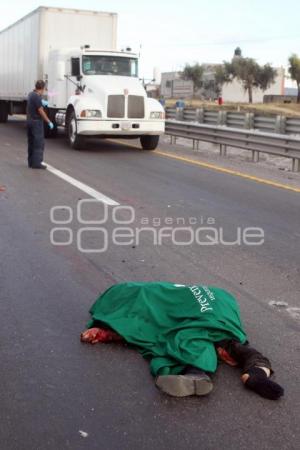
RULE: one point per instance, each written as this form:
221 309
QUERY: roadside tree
249 73
294 71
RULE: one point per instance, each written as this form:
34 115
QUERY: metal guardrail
255 141
270 124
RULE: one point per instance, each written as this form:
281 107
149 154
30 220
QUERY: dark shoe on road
185 385
259 382
41 166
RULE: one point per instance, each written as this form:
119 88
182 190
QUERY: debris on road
83 434
278 304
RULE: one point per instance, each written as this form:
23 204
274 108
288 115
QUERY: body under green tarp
172 325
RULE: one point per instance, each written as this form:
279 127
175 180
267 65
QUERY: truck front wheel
75 141
149 142
3 112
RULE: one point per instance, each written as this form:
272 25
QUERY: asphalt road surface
57 393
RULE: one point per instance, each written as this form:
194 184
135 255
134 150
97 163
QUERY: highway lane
63 386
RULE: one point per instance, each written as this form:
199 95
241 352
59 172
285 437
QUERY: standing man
35 126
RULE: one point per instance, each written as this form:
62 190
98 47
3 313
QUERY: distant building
291 91
290 96
173 86
234 92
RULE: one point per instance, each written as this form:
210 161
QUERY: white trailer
92 89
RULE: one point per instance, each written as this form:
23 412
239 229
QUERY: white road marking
83 187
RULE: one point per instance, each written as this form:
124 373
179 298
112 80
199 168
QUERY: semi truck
92 88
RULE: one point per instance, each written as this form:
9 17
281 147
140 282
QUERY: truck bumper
120 127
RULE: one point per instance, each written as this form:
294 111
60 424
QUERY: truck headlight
91 113
157 115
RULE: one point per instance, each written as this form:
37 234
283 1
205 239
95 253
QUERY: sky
171 33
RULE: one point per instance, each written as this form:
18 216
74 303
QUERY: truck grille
116 106
136 107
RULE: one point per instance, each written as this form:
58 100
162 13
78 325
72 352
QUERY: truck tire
3 112
149 142
75 141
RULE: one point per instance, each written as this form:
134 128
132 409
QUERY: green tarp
173 325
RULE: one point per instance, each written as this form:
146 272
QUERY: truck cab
98 93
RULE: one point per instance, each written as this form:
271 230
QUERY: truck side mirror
75 67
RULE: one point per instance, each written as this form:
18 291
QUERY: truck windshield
109 65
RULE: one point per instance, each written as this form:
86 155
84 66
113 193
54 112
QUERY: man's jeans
36 144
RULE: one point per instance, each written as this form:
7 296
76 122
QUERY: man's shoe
258 381
41 166
185 385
